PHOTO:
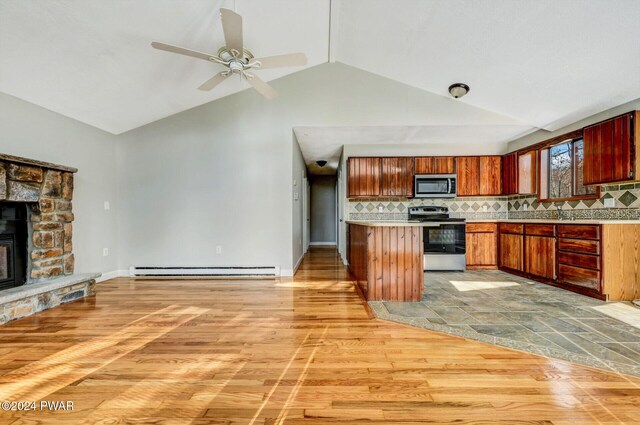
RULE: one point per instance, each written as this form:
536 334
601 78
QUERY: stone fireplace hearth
42 194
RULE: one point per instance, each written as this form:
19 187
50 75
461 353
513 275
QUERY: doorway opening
323 209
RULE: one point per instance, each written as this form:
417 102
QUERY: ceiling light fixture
458 90
321 163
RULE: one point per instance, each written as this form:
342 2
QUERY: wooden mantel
387 260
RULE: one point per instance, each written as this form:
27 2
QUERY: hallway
302 350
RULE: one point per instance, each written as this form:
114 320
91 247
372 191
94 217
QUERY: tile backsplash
626 206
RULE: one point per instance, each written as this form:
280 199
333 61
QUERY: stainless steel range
445 244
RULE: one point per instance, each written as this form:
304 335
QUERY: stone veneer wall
627 207
48 192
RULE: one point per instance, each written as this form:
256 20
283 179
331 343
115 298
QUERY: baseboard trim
322 243
112 275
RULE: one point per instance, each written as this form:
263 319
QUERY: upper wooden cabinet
479 175
527 173
397 177
380 177
609 150
435 165
519 173
363 176
510 174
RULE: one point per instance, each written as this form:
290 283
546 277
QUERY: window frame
544 169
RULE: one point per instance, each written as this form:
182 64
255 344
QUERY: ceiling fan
236 58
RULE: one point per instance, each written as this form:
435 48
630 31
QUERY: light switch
107 205
295 196
609 202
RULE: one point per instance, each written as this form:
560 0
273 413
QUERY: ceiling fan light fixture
457 90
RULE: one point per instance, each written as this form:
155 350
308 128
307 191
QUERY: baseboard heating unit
241 272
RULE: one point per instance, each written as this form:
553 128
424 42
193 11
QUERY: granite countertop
391 223
555 221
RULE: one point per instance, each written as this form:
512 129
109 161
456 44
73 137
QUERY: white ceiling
91 59
546 63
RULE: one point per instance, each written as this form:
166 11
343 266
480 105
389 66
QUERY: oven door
445 247
435 186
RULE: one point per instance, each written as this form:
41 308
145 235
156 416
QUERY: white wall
298 188
542 135
30 131
221 174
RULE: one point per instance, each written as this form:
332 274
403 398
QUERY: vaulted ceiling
545 63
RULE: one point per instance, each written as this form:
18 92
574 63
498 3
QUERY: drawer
579 260
540 229
512 228
579 245
579 231
578 276
481 227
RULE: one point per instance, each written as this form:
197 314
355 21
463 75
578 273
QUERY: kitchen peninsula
386 259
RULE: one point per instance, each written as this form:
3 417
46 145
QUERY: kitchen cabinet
579 257
490 175
435 165
481 246
511 246
510 174
519 173
380 177
397 175
527 173
540 250
363 177
609 150
479 175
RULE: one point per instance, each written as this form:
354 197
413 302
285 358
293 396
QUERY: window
563 166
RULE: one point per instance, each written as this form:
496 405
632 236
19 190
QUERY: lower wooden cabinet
512 252
482 246
540 256
601 261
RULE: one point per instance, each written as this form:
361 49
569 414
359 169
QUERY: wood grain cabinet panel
425 165
527 173
540 257
579 276
482 246
490 175
397 177
444 165
579 231
540 229
468 175
510 174
579 245
363 175
579 260
609 150
516 228
512 251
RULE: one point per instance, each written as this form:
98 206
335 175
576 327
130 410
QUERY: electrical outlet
609 202
525 207
107 206
295 196
218 249
380 208
105 252
485 208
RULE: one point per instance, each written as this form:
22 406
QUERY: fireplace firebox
13 244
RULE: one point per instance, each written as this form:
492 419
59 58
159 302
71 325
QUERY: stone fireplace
36 232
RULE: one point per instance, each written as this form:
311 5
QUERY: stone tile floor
508 310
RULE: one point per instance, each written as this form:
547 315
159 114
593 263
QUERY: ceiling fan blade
214 81
281 61
182 51
263 88
232 27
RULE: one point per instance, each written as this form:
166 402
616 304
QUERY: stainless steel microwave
435 186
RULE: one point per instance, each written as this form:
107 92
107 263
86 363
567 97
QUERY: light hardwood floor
259 352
